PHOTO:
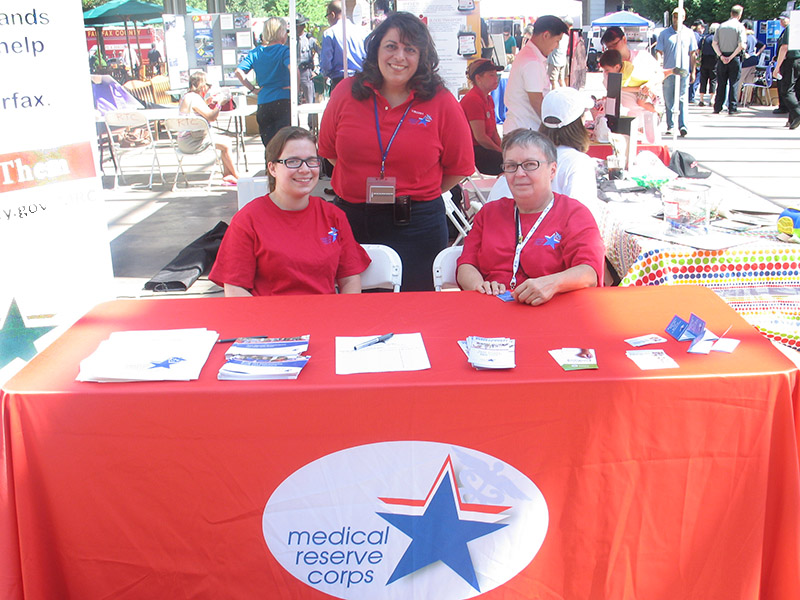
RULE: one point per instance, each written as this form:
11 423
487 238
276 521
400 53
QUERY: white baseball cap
564 105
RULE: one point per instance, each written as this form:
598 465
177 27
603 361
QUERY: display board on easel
498 49
214 43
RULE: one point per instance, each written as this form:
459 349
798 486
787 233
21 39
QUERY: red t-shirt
271 251
478 106
567 237
433 141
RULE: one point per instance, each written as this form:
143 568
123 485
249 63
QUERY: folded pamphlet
489 353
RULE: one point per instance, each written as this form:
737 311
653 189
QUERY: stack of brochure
489 353
265 358
162 355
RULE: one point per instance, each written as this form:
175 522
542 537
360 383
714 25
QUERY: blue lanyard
385 153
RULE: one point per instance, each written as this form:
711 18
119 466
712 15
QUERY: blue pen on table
373 341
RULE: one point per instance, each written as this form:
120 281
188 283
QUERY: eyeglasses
528 165
611 44
312 162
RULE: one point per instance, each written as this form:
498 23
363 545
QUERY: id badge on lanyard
382 189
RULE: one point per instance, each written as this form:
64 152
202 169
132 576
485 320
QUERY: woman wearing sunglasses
289 242
537 244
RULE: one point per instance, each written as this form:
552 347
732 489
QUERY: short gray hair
529 137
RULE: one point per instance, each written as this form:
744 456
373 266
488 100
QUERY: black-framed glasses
528 165
312 162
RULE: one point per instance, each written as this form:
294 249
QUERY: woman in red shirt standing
398 139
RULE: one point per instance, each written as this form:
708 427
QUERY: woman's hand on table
535 291
492 288
470 279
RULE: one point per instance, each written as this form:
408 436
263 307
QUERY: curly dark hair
426 82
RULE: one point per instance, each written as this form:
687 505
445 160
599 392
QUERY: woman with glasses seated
289 242
537 244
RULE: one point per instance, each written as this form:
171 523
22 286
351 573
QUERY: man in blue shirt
331 59
679 51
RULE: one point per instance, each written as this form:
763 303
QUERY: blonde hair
275 30
196 79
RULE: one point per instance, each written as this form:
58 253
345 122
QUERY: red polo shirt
567 237
478 106
434 141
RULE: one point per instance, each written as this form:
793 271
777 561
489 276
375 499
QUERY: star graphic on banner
166 363
16 340
552 240
439 535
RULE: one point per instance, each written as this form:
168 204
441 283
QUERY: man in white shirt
730 41
528 81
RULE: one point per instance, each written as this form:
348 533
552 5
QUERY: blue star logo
440 534
166 364
17 340
552 240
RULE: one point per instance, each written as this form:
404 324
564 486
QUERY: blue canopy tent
622 18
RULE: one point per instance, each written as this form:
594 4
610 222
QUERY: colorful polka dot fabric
760 280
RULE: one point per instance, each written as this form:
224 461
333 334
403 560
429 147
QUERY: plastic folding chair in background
129 133
178 126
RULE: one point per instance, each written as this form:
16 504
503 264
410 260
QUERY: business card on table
575 359
649 360
506 296
683 331
645 340
703 343
725 345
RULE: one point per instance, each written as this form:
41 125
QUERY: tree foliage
709 11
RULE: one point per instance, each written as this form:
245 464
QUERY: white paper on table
159 355
703 344
403 352
725 345
648 360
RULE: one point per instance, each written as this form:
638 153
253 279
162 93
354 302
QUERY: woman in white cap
562 123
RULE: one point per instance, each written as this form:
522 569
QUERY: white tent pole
293 71
344 39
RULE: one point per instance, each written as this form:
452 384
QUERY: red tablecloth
604 150
666 484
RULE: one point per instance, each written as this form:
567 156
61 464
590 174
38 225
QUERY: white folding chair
480 183
762 73
385 271
129 133
456 217
444 268
178 126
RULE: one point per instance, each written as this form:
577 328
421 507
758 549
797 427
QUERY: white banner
54 254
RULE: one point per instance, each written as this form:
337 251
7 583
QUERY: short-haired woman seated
289 242
537 245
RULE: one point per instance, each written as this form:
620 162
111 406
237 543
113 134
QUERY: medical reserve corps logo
383 520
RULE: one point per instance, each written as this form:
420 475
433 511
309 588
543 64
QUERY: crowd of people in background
425 142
